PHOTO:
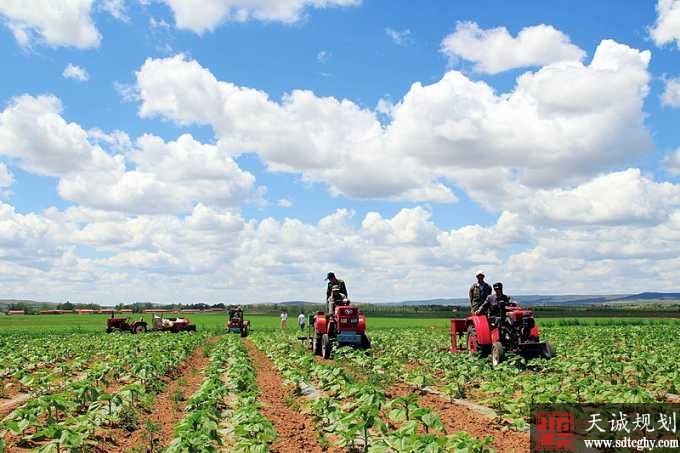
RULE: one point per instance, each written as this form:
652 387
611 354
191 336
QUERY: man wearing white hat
479 291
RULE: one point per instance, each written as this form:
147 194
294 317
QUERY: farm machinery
236 323
515 331
343 324
125 325
163 324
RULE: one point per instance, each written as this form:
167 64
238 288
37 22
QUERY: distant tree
65 306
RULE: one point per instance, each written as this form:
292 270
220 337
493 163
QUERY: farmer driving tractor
336 292
495 304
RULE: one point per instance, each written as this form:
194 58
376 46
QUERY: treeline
139 307
136 307
366 308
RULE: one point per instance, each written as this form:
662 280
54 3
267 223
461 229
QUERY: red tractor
515 332
344 325
163 324
236 323
125 325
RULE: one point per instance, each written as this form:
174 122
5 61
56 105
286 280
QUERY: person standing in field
284 321
479 291
301 321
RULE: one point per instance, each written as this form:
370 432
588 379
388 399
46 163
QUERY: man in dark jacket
335 292
494 305
479 291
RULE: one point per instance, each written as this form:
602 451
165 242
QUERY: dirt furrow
295 431
167 411
457 417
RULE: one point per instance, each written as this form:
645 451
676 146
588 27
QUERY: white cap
480 272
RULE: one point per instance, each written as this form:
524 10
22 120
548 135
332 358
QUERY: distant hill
6 302
566 299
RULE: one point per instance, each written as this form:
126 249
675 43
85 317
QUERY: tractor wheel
474 348
244 331
497 353
109 330
316 344
139 328
547 351
365 342
326 346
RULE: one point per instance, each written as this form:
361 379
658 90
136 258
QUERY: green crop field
69 386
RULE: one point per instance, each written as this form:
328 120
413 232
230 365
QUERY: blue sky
430 140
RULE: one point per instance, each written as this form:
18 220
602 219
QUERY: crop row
596 364
354 410
111 392
225 406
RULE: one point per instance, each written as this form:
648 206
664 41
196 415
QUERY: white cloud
75 72
33 132
408 226
323 56
168 177
30 240
671 93
667 27
57 23
671 162
126 92
6 177
115 8
495 50
400 38
200 16
165 176
182 258
319 136
284 203
621 198
561 124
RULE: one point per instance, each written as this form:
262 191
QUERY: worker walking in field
301 321
284 321
479 291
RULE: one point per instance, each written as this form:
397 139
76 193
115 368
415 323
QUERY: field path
295 431
457 417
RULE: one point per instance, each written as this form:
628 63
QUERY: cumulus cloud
76 72
284 203
400 38
495 50
563 123
329 140
620 198
33 132
671 93
667 27
671 162
30 240
57 23
115 8
216 253
165 176
6 177
168 177
200 16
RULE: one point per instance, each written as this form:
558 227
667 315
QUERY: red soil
165 414
461 418
295 431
